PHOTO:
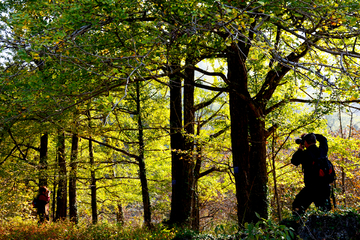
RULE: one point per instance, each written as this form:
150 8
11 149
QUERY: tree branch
112 147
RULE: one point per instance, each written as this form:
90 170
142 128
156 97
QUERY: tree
61 208
264 46
72 178
285 38
141 160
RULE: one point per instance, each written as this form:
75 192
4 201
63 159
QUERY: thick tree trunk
62 185
93 184
185 167
181 200
142 169
248 144
43 181
258 169
72 179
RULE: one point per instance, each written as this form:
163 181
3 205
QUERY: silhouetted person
316 190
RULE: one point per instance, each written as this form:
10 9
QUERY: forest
178 112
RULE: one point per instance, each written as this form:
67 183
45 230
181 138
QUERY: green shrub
263 229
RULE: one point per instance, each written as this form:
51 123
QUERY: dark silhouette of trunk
54 199
93 189
181 199
276 193
248 133
62 182
93 184
195 201
248 144
185 166
343 175
142 169
195 214
72 179
189 121
43 165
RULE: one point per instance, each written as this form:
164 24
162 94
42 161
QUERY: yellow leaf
353 98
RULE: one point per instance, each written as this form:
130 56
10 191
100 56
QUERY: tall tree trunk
189 122
93 189
54 199
43 181
195 216
276 194
180 200
248 144
93 184
72 178
62 185
258 168
142 169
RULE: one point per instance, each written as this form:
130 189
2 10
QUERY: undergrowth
65 230
30 230
341 224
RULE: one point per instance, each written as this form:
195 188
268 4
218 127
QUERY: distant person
42 204
317 189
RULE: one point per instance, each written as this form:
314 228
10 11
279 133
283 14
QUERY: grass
314 223
30 230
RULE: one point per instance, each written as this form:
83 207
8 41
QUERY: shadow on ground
335 226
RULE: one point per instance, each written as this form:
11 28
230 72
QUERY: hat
310 138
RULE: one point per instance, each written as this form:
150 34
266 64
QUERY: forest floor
342 225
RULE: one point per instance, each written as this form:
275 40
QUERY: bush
263 229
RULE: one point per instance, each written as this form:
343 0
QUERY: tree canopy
198 86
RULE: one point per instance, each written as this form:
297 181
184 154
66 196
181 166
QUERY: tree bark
72 179
93 184
258 168
189 122
248 143
185 166
61 212
94 213
120 215
276 194
142 169
54 199
43 181
180 200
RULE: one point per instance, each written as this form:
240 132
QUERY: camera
299 141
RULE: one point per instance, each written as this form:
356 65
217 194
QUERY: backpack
325 170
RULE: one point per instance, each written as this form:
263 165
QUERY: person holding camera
315 190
